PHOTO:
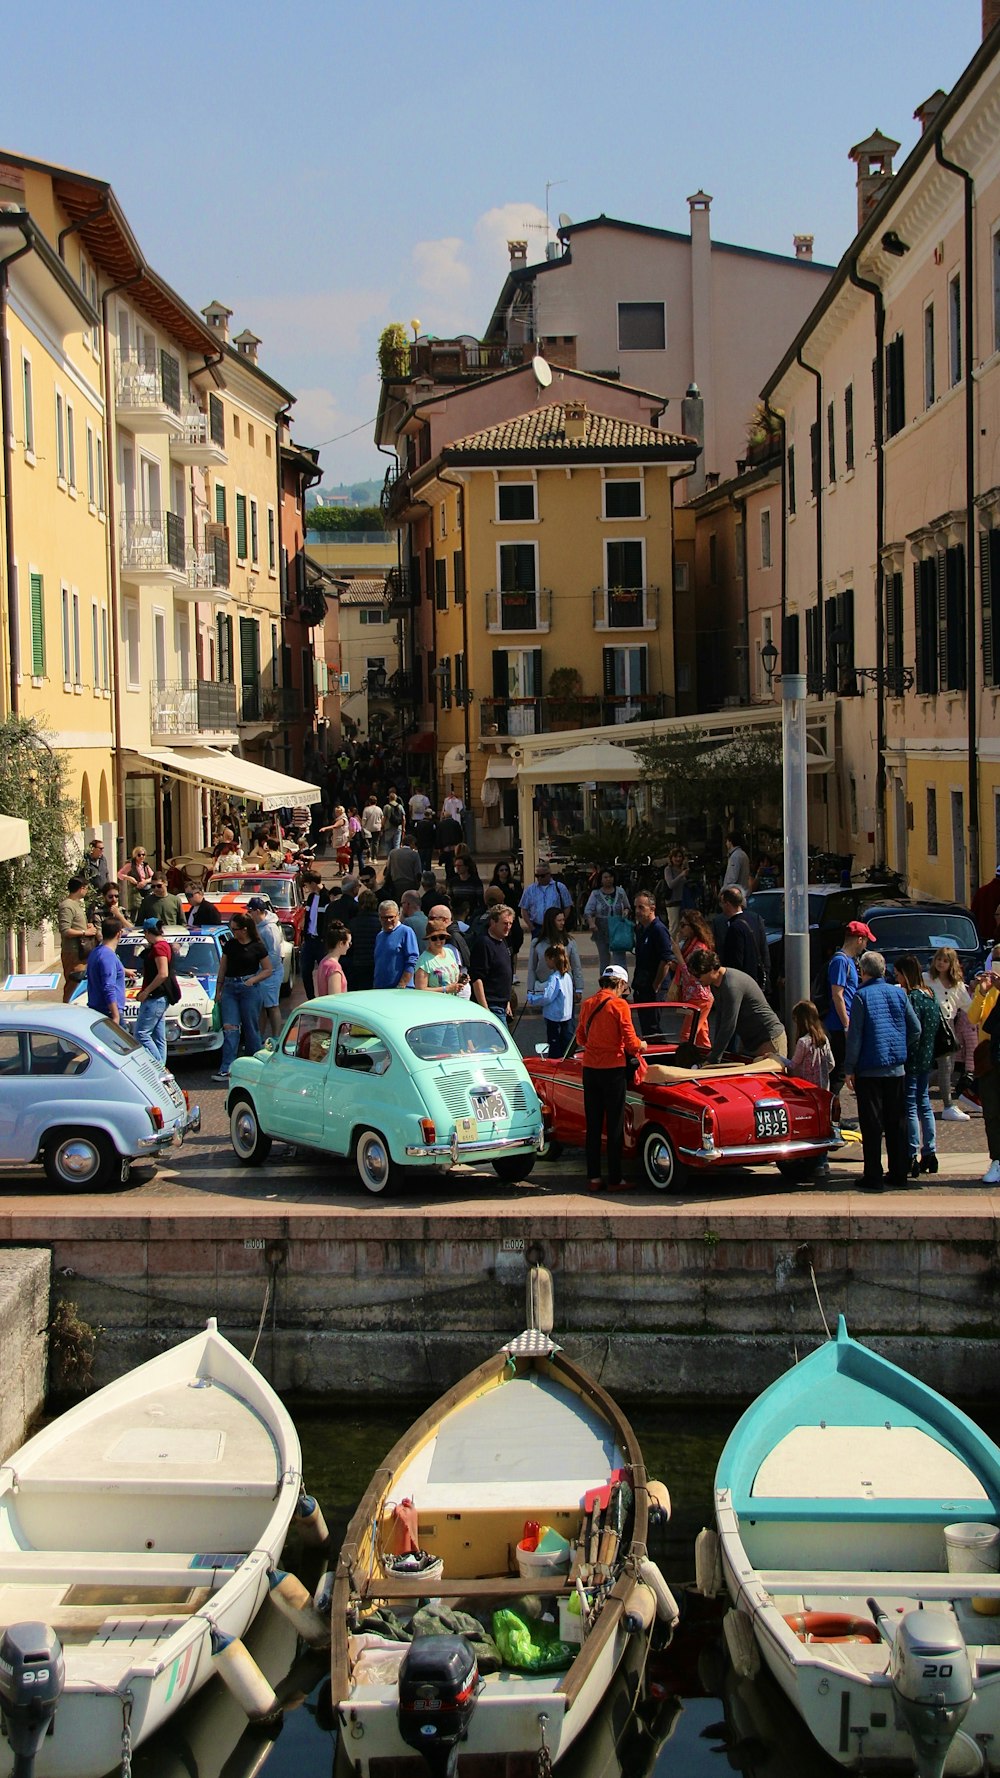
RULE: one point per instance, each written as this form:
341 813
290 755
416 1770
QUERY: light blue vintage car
396 1079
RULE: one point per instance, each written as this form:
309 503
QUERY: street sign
31 984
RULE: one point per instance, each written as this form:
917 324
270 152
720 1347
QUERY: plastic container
570 1620
972 1549
535 1564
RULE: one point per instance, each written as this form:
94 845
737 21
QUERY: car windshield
456 1037
192 956
663 1024
279 890
924 932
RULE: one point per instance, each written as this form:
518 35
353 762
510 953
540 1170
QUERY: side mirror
269 1044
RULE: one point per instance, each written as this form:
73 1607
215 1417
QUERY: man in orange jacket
606 1035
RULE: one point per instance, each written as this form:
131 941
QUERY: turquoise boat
858 1515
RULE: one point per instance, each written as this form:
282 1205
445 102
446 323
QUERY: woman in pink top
686 987
328 976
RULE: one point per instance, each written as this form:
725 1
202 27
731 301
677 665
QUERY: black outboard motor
438 1690
32 1675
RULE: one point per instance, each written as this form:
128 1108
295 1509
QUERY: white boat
854 1507
136 1526
526 1436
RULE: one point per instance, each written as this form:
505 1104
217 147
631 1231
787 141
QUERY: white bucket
534 1564
972 1549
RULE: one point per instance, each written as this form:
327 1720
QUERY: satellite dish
564 220
542 372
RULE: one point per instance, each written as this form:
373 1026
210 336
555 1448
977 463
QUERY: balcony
148 392
152 549
537 716
195 442
626 607
451 361
263 706
530 610
399 592
207 577
200 708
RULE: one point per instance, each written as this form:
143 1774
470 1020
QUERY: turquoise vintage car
396 1079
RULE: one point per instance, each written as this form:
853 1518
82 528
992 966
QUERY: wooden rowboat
526 1436
138 1527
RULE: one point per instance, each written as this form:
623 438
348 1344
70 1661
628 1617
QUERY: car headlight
190 1018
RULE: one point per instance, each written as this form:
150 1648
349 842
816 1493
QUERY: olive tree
32 788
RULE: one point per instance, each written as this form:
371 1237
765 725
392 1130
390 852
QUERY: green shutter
37 627
220 503
241 526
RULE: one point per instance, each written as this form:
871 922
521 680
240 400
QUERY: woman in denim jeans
244 965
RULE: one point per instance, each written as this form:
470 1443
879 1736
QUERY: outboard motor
32 1675
931 1678
438 1691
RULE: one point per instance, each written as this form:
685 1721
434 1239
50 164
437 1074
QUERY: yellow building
549 580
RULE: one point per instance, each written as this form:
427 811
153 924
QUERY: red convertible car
684 1120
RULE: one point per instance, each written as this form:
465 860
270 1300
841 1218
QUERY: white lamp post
796 825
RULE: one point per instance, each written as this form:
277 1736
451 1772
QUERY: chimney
803 246
693 426
246 344
218 318
518 251
873 159
575 420
927 112
991 15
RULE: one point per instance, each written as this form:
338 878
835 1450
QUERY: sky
327 169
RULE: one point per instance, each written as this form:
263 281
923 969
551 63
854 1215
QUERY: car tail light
155 1116
427 1130
707 1130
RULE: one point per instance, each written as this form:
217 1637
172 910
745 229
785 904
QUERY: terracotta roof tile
363 591
542 431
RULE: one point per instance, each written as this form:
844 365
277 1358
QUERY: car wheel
551 1149
660 1164
801 1172
82 1159
377 1170
512 1168
249 1142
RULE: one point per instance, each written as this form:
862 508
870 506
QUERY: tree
730 779
32 787
345 518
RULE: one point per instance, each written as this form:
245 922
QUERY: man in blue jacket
882 1026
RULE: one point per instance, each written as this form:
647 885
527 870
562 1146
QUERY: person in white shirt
453 806
419 806
371 825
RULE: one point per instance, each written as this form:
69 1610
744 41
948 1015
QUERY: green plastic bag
530 1649
216 1015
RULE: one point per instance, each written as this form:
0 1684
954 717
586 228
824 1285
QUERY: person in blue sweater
882 1028
557 1001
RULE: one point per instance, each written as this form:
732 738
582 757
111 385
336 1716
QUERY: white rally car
196 965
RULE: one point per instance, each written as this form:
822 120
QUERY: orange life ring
831 1626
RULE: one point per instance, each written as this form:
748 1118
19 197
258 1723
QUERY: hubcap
659 1161
245 1129
78 1159
375 1163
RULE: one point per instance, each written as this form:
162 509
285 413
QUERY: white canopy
597 762
203 765
14 839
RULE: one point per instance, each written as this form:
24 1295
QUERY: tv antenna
549 185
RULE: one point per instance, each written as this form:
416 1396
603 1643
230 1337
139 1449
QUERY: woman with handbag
984 1013
944 978
609 916
608 1038
919 1062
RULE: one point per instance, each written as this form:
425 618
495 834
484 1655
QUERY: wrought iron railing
530 610
281 703
399 589
626 607
153 540
445 359
530 716
148 380
191 707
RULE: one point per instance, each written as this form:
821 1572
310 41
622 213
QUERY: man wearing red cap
842 976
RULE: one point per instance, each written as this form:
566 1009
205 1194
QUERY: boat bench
494 1586
910 1584
114 1568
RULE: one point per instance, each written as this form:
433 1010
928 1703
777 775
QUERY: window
622 500
254 539
100 475
713 559
642 327
815 457
838 614
458 568
220 504
236 425
70 445
95 645
217 421
624 682
516 502
67 668
76 663
765 538
814 652
441 583
224 629
132 651
929 389
360 1049
241 527
849 427
517 690
895 394
893 587
60 439
52 1054
91 484
105 680
309 1037
518 601
790 480
925 623
932 831
989 581
625 583
37 597
952 662
271 546
29 404
373 614
267 444
831 443
250 437
955 329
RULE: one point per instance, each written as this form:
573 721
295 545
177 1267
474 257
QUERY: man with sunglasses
111 908
541 895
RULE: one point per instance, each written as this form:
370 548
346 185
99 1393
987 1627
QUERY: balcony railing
197 439
519 610
146 381
399 590
153 543
448 361
200 706
281 703
536 716
626 607
209 572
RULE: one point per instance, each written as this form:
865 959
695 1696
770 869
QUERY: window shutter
459 570
415 578
217 421
170 379
790 481
535 672
956 618
220 503
441 585
831 623
224 625
609 672
918 628
941 566
37 626
814 447
891 589
986 596
643 654
220 553
501 682
790 643
241 526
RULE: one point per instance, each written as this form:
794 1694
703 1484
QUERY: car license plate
466 1129
489 1106
770 1121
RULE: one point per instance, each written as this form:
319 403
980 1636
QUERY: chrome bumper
760 1152
457 1151
188 1125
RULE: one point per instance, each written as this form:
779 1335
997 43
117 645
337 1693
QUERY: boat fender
640 1608
659 1495
741 1644
311 1523
666 1604
540 1304
707 1564
241 1676
323 1596
294 1602
831 1626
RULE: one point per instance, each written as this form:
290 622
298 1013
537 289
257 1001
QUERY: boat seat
494 1586
108 1568
910 1584
168 1486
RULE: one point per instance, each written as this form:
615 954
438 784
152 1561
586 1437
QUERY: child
812 1058
556 1001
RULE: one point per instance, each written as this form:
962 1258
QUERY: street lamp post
795 821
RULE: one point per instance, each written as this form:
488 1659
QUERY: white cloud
459 280
327 323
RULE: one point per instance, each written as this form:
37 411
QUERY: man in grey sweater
739 1009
